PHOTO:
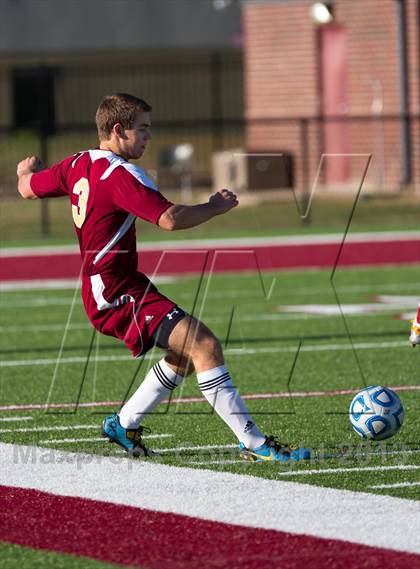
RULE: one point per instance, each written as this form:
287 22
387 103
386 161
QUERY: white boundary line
99 439
285 316
83 440
225 243
223 461
397 485
372 288
56 428
218 496
229 351
276 395
316 471
202 447
7 419
63 284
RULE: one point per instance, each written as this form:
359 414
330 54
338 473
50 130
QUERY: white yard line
357 455
396 485
44 429
226 242
62 284
10 419
41 301
83 440
66 428
221 462
178 400
219 496
350 470
203 447
363 309
210 320
44 328
230 351
98 439
371 288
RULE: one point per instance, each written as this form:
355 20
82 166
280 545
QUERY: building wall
282 77
55 26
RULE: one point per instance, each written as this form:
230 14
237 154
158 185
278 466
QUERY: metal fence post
304 144
216 101
45 210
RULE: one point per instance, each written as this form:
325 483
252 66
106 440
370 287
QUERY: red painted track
155 540
270 257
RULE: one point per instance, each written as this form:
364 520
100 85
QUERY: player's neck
108 145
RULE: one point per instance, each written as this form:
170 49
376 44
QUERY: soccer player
107 194
415 330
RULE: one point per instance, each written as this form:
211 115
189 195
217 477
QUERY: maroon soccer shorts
131 309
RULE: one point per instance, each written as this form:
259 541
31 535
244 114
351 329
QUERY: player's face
137 137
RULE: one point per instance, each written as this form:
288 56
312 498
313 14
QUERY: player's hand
223 200
30 165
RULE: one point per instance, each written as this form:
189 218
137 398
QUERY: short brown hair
119 108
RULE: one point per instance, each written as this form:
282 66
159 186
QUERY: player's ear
118 130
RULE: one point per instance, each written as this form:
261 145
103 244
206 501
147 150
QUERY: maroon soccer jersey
107 193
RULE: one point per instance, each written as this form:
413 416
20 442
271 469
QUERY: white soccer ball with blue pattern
376 413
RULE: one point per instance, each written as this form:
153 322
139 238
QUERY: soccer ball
376 413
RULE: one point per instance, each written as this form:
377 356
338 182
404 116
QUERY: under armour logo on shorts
172 313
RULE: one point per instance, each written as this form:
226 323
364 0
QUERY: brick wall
282 81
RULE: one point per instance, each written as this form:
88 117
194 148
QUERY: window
33 98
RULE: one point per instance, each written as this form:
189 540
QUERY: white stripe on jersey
120 233
78 155
115 161
98 153
98 288
140 175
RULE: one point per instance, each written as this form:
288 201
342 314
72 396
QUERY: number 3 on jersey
81 189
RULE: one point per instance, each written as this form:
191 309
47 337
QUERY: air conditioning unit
240 171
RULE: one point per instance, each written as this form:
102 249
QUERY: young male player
415 330
107 193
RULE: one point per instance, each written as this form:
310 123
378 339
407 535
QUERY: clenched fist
29 165
223 200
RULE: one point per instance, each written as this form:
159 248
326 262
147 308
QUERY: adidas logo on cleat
248 426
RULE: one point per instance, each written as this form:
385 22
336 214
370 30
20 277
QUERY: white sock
158 384
217 387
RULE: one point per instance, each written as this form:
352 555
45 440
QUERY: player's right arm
37 181
25 169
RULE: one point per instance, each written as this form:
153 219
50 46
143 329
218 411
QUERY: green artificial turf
17 557
261 345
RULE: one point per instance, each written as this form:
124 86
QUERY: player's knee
208 345
180 364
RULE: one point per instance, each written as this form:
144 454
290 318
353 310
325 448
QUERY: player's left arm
25 169
185 216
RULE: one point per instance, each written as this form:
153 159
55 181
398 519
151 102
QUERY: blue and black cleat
273 451
129 439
